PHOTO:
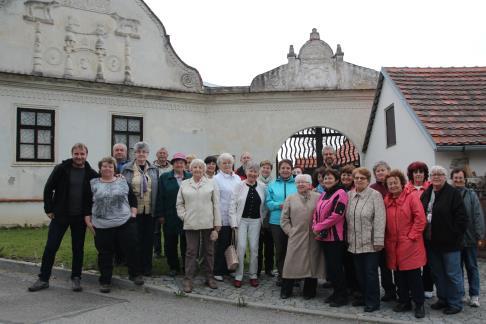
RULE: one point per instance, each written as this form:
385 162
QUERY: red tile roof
450 102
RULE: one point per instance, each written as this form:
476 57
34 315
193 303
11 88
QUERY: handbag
230 254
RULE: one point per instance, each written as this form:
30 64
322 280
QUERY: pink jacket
330 215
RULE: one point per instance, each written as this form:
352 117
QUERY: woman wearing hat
166 212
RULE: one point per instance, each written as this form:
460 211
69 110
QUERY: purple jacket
330 215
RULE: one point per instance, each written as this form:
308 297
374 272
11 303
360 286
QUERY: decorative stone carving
188 80
126 26
101 6
37 69
113 63
128 61
315 68
39 11
53 56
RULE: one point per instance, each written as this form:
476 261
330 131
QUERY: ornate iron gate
304 148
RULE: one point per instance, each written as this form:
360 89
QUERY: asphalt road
59 304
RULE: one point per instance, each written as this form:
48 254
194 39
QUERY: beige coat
198 204
305 258
366 220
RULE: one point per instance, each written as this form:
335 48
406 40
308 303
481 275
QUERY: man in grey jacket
474 233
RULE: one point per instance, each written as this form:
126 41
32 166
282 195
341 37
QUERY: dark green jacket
166 201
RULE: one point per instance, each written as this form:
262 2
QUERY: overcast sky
230 42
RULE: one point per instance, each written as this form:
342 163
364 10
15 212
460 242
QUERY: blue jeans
367 272
448 278
469 258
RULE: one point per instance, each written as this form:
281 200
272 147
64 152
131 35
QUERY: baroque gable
316 67
112 41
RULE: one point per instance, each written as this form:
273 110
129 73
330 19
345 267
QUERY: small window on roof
391 137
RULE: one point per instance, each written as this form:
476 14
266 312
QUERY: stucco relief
101 6
316 67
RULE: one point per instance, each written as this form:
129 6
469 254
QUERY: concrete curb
92 278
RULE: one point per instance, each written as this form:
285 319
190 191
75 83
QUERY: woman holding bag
246 211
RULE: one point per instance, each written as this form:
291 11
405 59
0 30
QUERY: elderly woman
328 225
166 212
277 192
226 180
304 259
418 175
143 178
380 171
444 236
246 211
474 233
265 243
198 208
365 218
347 177
211 166
112 221
404 244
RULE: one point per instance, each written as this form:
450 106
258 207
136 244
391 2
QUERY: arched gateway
90 71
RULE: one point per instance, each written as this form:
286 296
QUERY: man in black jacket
66 202
444 235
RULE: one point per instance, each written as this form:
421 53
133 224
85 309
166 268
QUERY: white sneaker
218 278
474 302
428 294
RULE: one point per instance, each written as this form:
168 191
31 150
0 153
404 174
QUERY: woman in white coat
246 211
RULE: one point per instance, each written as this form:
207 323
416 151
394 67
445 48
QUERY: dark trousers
386 275
265 250
410 284
427 279
106 240
145 239
224 240
54 239
334 256
171 248
158 237
310 287
193 238
350 273
366 265
280 240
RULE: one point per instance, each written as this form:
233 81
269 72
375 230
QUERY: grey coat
474 212
153 173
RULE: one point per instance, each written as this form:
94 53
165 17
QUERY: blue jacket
277 191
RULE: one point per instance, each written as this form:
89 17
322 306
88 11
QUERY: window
391 137
127 130
35 135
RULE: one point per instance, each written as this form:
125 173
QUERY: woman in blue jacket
277 192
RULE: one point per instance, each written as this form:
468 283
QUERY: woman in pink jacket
328 225
405 223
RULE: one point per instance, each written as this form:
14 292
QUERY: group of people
337 226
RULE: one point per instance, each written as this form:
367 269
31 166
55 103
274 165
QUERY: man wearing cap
166 213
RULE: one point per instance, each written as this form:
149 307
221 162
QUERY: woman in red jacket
405 223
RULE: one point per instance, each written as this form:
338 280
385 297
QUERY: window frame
391 139
36 128
127 133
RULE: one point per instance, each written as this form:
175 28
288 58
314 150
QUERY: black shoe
270 274
327 285
147 273
173 273
440 304
389 297
284 295
76 284
307 297
105 288
138 280
338 302
370 309
330 298
279 281
39 285
451 310
402 307
419 311
358 302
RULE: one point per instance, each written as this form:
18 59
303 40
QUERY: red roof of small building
450 102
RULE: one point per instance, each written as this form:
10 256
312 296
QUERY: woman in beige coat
304 257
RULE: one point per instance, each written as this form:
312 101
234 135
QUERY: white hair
141 146
198 162
379 164
438 169
120 144
225 157
303 177
251 165
328 148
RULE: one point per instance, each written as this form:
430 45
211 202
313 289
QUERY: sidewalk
267 296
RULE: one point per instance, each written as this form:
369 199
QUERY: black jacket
449 219
56 191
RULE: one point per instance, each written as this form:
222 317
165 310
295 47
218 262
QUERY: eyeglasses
360 178
437 175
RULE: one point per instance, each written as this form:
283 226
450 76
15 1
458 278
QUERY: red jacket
405 223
